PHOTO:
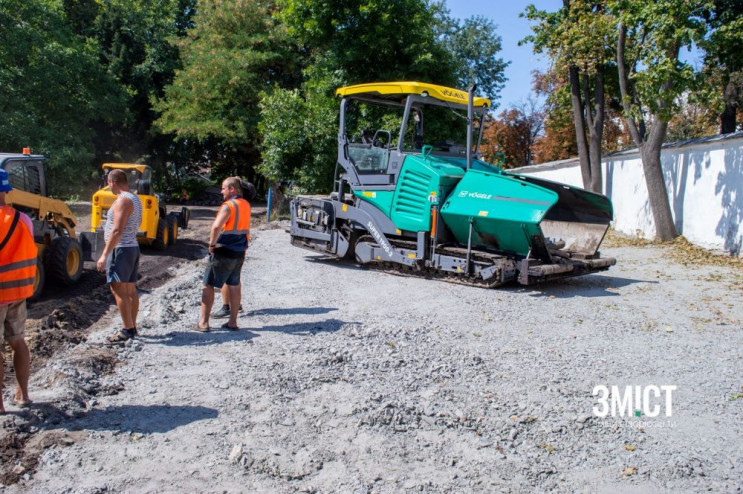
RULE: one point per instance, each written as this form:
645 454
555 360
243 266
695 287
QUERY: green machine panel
505 211
422 181
382 199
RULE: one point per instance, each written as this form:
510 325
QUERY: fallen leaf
629 471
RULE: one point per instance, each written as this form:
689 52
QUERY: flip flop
227 326
198 328
22 404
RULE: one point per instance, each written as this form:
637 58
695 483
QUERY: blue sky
511 28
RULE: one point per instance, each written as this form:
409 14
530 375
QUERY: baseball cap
4 181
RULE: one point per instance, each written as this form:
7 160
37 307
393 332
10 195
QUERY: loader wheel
184 217
173 226
162 237
64 260
39 281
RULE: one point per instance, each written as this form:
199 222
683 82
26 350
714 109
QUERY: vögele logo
634 401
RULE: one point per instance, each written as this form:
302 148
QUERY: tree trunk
596 134
660 206
650 149
727 119
580 127
728 116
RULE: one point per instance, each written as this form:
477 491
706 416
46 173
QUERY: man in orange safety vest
228 241
17 276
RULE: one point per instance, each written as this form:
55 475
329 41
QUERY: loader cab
382 124
25 172
139 177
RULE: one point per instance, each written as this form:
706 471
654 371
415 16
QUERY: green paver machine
436 209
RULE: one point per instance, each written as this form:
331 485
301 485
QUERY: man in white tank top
120 257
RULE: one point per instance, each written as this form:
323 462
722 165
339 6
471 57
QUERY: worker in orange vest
248 193
228 241
17 276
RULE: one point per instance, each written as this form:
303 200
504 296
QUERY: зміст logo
635 400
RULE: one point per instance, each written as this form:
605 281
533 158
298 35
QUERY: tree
651 77
236 50
558 141
514 133
723 60
53 88
365 40
578 38
133 37
474 45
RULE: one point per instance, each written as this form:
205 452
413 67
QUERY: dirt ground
63 317
343 379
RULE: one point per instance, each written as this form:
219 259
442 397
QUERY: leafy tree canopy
227 57
367 40
53 87
474 45
236 50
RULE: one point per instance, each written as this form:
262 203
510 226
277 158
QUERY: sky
511 28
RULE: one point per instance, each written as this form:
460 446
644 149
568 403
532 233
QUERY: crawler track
481 258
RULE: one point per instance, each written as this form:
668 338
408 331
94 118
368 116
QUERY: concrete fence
704 178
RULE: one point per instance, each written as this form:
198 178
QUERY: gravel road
350 380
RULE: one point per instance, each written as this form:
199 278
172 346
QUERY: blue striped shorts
122 265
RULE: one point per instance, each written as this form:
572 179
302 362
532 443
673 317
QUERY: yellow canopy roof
125 166
402 89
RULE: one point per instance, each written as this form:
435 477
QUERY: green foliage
235 51
192 187
53 87
300 129
367 40
583 35
474 45
656 32
134 47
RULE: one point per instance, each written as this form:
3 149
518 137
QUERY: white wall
704 178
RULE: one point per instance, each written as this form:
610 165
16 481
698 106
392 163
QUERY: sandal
121 335
196 327
227 326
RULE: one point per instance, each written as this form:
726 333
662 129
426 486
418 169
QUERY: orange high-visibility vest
239 222
17 257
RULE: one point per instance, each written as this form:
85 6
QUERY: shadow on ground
592 285
191 337
291 310
307 328
145 419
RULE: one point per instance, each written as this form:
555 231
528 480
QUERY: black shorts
223 270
